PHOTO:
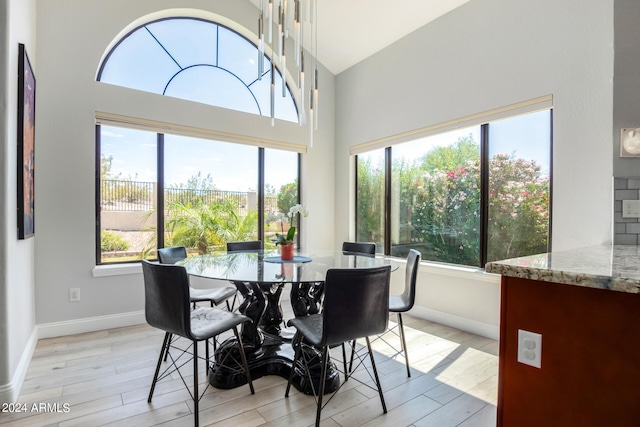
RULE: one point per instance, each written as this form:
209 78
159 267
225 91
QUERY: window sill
452 270
116 270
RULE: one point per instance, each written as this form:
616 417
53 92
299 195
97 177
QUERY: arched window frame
286 102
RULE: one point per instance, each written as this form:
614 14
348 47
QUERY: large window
464 197
156 190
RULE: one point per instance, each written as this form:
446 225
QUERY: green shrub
111 241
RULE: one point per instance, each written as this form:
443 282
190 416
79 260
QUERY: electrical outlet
529 348
74 294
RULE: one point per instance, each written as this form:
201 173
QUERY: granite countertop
613 267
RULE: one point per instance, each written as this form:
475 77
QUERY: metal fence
118 195
140 196
270 204
183 195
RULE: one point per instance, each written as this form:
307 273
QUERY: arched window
151 183
196 60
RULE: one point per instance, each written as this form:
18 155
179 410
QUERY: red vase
286 252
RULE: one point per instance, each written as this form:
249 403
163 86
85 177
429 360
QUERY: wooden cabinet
590 367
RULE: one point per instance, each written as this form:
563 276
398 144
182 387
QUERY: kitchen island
585 305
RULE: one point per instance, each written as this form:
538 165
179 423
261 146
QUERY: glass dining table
260 277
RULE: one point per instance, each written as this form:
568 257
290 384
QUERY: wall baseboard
9 392
469 325
99 323
90 324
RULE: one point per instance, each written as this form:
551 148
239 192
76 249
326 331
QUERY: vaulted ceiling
349 31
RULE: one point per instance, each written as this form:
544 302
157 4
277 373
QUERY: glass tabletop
266 266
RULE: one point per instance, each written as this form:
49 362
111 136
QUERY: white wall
72 38
483 55
17 318
626 107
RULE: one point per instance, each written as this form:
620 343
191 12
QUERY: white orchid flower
297 209
271 217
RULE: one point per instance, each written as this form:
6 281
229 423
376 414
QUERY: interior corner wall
626 86
17 260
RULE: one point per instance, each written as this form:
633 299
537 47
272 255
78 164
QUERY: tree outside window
436 193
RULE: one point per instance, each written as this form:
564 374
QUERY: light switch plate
631 208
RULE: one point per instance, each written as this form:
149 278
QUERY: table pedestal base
273 357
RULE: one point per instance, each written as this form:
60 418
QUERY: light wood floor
103 378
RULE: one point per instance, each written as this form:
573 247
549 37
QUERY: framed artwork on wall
26 144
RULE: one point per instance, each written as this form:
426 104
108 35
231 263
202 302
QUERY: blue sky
233 167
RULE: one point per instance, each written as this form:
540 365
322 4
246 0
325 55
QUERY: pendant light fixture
296 20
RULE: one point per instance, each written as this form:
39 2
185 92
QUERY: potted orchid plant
286 241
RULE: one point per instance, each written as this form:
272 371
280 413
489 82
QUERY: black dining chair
241 246
356 305
250 245
401 304
247 289
168 308
359 247
214 296
404 302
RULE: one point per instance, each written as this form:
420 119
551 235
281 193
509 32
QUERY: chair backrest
359 247
172 255
356 303
166 298
252 245
408 296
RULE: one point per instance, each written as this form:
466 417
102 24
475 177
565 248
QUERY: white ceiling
349 31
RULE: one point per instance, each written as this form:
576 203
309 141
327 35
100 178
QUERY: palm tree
203 226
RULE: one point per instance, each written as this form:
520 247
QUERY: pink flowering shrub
518 208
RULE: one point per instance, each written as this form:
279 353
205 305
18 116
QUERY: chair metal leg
196 396
375 374
206 353
165 348
403 342
344 362
244 359
323 378
353 352
231 306
296 339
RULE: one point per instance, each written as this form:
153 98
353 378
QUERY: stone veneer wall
626 231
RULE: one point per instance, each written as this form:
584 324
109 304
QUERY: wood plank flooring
103 378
